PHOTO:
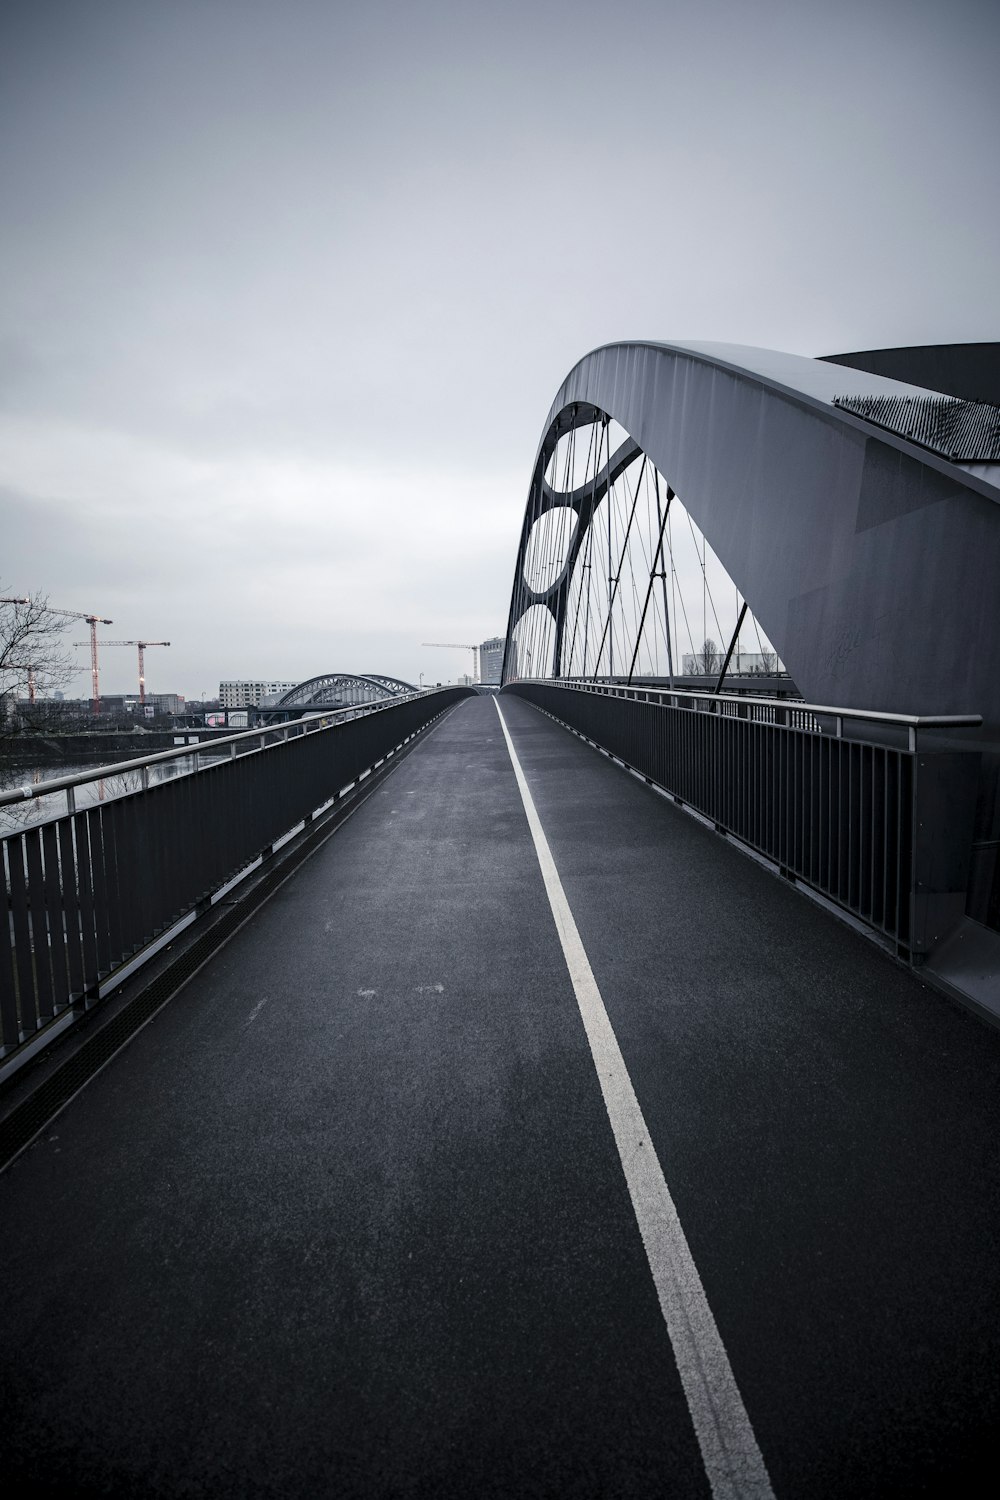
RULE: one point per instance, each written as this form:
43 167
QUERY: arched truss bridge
708 512
339 690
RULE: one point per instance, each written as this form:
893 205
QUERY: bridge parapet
875 812
92 893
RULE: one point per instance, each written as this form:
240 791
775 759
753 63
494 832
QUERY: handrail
786 705
93 893
308 722
875 820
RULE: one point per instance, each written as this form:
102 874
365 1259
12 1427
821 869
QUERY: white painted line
729 1449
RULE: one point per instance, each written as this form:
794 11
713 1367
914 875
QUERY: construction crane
459 646
93 621
142 659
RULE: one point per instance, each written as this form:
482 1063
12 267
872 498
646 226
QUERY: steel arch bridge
858 517
341 690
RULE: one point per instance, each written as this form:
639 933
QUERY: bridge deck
348 1217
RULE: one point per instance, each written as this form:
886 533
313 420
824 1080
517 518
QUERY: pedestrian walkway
348 1218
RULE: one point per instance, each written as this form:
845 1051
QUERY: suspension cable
678 591
652 577
621 563
579 571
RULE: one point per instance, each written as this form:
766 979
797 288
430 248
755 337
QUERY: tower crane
142 659
459 646
93 621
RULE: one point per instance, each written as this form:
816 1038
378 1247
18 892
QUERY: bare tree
709 658
31 648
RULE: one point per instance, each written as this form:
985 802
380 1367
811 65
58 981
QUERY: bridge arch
856 514
335 689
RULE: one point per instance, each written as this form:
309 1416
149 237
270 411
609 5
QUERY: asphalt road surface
368 1210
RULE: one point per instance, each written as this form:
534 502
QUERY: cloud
288 290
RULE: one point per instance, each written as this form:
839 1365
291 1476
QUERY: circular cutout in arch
533 644
548 547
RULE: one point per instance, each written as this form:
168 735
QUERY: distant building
250 694
114 703
742 663
165 703
115 708
491 660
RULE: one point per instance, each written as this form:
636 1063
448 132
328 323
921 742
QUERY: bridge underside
348 1217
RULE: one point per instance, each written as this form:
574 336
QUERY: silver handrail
310 722
785 705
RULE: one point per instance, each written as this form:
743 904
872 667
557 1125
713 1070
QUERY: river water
28 814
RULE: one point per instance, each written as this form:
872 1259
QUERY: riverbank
98 748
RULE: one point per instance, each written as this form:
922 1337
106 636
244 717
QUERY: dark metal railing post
884 829
89 889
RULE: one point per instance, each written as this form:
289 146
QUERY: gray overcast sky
288 286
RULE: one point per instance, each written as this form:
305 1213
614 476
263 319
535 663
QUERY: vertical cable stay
593 456
760 643
612 595
706 591
618 595
729 653
678 590
612 570
650 552
647 555
591 532
649 591
614 592
663 579
737 630
642 488
597 666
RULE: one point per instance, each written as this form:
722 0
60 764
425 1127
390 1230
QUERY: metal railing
874 811
88 890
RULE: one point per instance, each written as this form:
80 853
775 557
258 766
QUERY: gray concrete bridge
408 1191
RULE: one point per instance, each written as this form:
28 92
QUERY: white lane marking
729 1450
256 1011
